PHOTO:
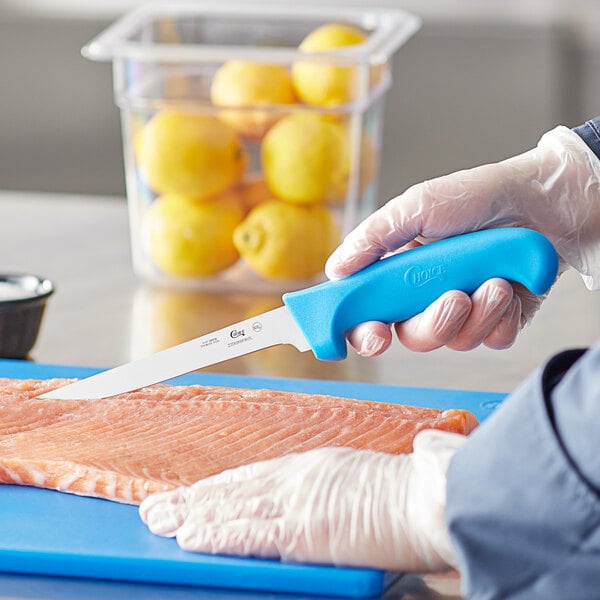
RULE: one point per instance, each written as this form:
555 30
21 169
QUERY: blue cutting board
43 532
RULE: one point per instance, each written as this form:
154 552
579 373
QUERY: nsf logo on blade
418 277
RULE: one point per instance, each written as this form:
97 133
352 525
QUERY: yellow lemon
321 83
136 125
192 238
254 191
250 192
366 164
188 153
247 85
285 241
305 159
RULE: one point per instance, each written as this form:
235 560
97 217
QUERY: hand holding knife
317 318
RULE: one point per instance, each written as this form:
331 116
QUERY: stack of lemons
210 210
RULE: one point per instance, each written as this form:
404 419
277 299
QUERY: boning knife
317 318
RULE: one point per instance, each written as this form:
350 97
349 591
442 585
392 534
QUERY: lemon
366 165
249 85
192 238
253 192
286 241
189 153
136 124
305 159
322 84
250 192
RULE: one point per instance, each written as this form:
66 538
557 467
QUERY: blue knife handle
403 285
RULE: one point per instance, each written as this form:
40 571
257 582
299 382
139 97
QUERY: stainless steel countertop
101 315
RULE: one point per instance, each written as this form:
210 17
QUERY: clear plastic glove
331 506
554 189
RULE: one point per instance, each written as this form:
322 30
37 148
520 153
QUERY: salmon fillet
160 437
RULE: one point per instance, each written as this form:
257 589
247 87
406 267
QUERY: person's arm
553 188
523 496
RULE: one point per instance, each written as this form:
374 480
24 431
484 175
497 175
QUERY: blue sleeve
590 133
523 502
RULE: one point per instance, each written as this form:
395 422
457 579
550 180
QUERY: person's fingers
230 490
148 504
491 316
530 303
217 504
506 330
370 338
489 303
437 325
242 537
243 504
164 513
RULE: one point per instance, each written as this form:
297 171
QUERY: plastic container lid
128 37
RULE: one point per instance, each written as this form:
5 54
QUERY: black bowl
22 302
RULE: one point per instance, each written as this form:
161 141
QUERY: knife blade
317 318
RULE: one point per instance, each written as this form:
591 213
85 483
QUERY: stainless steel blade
268 329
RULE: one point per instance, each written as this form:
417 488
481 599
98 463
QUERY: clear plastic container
247 158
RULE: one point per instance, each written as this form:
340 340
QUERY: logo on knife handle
418 277
236 333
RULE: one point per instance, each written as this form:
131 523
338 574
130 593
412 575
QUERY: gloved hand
331 505
554 189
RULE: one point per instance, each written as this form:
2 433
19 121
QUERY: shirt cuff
590 133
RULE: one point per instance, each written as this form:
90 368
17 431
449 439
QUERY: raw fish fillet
160 437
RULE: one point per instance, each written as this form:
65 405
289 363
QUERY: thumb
386 230
464 201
